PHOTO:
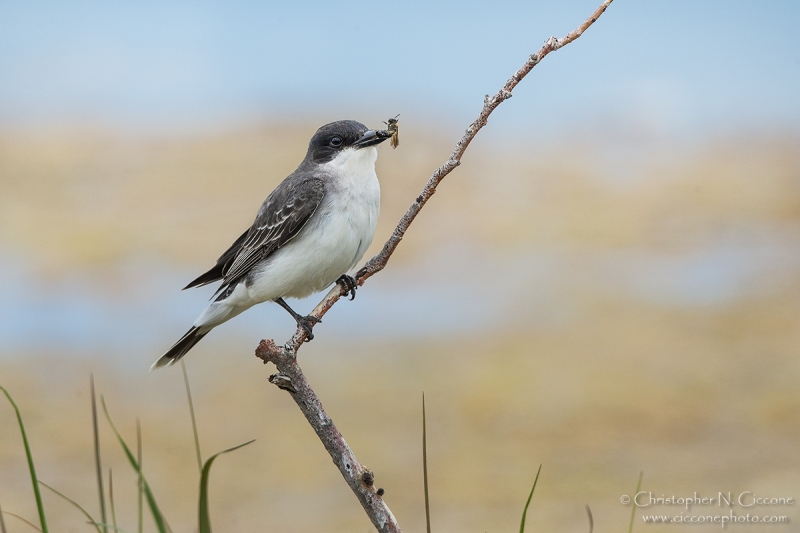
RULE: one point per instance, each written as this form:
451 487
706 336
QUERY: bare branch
361 480
291 377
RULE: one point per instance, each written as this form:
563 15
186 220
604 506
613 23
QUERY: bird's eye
336 141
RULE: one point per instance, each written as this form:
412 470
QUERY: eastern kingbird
309 232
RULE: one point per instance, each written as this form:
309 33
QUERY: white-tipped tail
180 348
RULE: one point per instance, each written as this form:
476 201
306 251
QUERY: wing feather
281 217
223 264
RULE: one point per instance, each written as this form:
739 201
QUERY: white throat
353 165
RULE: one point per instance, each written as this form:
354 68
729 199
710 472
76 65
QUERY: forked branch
290 375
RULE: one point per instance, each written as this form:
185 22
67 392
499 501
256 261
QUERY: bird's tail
180 348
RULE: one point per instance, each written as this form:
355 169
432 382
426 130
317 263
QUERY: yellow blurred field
638 309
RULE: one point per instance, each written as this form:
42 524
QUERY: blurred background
609 284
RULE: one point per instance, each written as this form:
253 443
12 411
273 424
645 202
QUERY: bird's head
332 139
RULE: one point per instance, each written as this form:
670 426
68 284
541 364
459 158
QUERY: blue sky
666 67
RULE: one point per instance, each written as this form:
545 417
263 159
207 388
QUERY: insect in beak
394 129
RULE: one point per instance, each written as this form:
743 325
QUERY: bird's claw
308 323
349 285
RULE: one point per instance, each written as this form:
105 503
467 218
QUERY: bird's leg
348 284
305 322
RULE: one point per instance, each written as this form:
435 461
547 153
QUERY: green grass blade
633 501
591 519
161 523
111 500
194 422
527 503
425 466
204 520
73 502
20 518
2 523
34 479
97 465
140 502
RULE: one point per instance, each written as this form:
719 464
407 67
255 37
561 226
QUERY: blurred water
463 290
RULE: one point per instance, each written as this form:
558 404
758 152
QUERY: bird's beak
371 138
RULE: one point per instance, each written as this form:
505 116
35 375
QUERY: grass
2 522
204 518
425 481
194 421
31 467
144 491
591 519
158 517
425 466
76 505
527 503
140 487
633 502
98 465
22 519
111 499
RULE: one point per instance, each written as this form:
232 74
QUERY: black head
332 138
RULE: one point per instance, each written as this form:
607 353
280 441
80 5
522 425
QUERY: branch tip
268 351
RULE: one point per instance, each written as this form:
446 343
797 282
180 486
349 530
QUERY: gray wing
281 217
223 264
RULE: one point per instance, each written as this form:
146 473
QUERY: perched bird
309 232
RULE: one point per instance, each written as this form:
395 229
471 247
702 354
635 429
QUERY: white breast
336 237
358 196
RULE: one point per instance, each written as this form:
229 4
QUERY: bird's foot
349 285
307 323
